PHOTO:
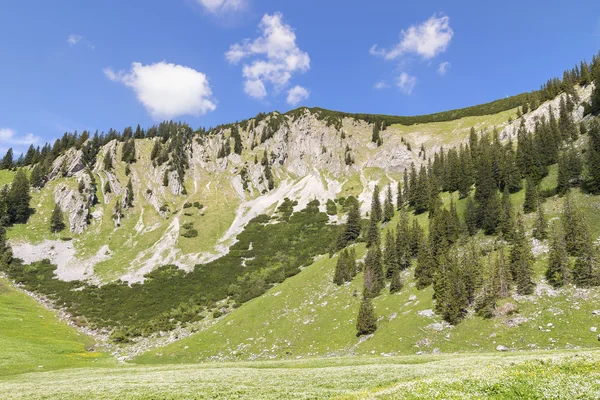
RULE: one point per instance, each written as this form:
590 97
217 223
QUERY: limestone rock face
76 202
72 161
584 93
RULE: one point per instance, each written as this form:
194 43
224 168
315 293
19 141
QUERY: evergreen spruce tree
108 161
531 196
492 214
399 197
574 227
425 266
388 207
341 274
37 177
107 188
129 194
374 276
6 256
558 272
507 227
366 322
18 199
7 161
376 211
586 271
417 238
592 157
540 227
390 257
351 265
521 260
404 251
471 216
396 284
450 293
57 223
352 228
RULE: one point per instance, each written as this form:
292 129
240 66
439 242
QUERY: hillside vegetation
398 241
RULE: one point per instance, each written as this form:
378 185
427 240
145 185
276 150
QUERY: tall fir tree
390 257
521 260
18 199
540 226
57 222
574 227
591 174
558 272
388 206
376 211
531 196
366 322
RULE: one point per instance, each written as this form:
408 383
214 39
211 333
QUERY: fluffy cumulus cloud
297 94
272 58
406 83
220 6
443 68
167 90
426 40
10 139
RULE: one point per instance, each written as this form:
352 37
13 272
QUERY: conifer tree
352 228
399 197
388 207
366 322
417 238
57 223
107 188
586 271
374 276
341 274
7 161
425 266
404 236
37 177
574 227
18 199
507 226
558 272
592 158
521 260
396 284
491 213
540 227
471 216
531 196
390 257
376 212
351 265
449 288
108 161
129 194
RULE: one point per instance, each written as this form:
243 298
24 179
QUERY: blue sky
74 65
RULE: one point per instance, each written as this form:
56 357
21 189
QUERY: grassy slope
33 339
307 315
558 375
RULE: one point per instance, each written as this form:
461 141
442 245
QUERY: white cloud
406 83
275 57
220 6
297 94
427 40
381 85
10 139
255 89
73 39
167 90
443 68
